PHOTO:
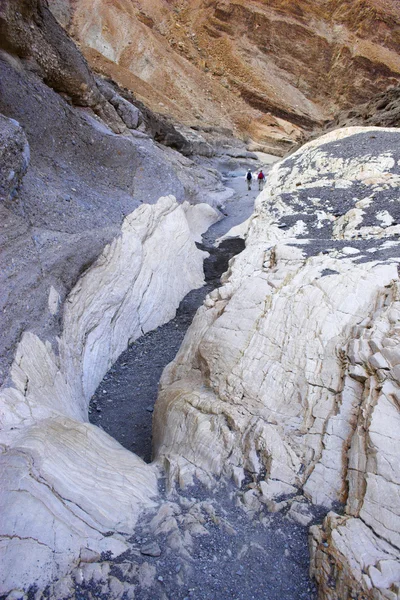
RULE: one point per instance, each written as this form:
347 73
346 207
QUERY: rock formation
82 181
290 373
84 235
289 370
383 110
134 286
265 69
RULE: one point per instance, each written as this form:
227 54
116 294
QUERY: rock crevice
78 482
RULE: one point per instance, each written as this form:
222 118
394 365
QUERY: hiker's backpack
261 175
248 176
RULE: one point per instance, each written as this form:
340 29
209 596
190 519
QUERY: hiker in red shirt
261 179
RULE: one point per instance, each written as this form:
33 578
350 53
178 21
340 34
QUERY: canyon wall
88 253
289 371
72 169
265 69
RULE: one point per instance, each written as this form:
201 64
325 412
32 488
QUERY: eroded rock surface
14 157
66 485
266 69
82 181
289 369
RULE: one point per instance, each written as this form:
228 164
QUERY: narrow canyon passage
201 544
123 403
186 415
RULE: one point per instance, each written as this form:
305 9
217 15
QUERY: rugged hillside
247 65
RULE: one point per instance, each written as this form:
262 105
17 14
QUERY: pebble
151 549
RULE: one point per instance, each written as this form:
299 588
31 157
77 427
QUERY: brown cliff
264 69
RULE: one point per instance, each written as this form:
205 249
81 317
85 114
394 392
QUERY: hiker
249 178
261 180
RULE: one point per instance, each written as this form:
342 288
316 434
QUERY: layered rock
69 189
383 110
65 483
289 370
83 179
29 30
265 69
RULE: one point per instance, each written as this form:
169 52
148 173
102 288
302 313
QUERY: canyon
275 426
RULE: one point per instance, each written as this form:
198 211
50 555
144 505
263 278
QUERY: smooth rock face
81 182
290 369
65 483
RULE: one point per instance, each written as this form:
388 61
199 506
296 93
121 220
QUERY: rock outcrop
266 69
289 370
65 483
29 30
82 181
14 157
91 259
383 110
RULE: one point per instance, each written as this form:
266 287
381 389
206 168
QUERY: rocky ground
200 544
205 546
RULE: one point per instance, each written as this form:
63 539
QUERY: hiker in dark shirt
249 178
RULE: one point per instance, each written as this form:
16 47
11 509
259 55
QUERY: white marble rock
65 483
283 368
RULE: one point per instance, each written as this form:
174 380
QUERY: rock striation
65 483
289 370
266 69
89 246
67 182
